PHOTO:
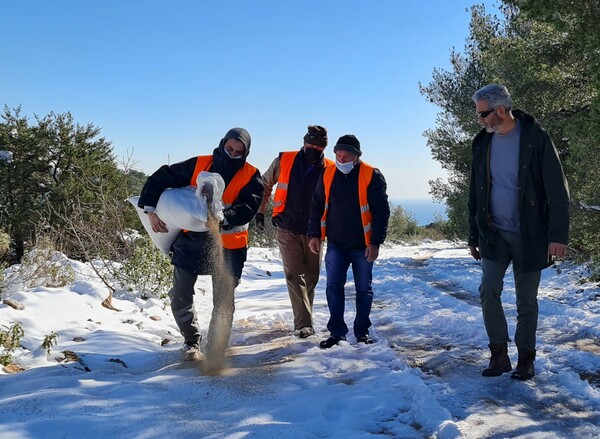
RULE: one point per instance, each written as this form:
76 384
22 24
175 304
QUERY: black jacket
303 179
344 226
543 195
192 250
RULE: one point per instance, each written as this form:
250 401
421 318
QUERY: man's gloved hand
228 214
259 221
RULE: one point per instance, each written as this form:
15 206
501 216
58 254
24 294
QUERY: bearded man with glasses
519 213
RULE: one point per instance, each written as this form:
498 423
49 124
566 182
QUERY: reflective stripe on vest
285 169
237 237
365 173
286 162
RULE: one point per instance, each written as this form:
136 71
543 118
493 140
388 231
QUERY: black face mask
312 155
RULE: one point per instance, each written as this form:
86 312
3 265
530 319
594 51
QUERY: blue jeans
337 261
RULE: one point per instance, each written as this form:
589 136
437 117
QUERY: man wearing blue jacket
350 209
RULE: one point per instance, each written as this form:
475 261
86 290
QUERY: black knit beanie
349 143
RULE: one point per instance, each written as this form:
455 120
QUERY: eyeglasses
484 114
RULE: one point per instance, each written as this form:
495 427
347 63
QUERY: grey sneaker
191 352
306 332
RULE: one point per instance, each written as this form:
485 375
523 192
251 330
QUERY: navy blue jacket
344 224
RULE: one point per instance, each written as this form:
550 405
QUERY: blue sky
166 79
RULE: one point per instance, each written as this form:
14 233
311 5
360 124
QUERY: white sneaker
191 353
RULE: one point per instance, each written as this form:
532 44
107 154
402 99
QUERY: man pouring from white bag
193 253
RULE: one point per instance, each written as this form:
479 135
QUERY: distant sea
422 210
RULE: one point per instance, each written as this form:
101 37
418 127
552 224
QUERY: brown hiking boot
499 363
524 370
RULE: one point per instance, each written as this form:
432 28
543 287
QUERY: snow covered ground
421 379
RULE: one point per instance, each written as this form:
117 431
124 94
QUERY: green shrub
49 341
148 271
43 266
2 279
402 225
10 340
4 244
264 238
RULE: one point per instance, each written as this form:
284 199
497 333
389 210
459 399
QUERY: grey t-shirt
504 170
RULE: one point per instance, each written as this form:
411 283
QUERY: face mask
312 155
344 168
229 155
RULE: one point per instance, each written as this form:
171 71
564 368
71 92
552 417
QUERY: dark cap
316 135
349 143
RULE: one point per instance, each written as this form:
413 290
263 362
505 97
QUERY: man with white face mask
296 174
350 208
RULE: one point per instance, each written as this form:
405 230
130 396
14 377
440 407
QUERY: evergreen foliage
546 53
56 168
147 271
267 237
42 266
4 244
402 225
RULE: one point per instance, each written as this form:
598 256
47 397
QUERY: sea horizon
423 210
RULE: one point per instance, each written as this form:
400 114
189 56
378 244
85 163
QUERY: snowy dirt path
422 379
556 404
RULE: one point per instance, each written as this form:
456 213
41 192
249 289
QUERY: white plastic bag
185 208
211 185
180 208
162 240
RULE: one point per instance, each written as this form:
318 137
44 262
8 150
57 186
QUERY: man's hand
557 250
475 253
228 214
208 190
315 245
372 252
158 226
259 221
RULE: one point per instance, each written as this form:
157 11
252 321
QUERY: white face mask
344 168
233 158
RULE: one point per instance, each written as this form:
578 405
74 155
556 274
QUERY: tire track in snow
451 365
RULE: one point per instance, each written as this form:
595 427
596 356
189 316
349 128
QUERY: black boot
524 370
499 363
331 341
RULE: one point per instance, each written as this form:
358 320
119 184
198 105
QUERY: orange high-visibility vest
237 237
365 173
286 162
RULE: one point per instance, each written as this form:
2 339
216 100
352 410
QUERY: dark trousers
337 262
182 306
509 249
